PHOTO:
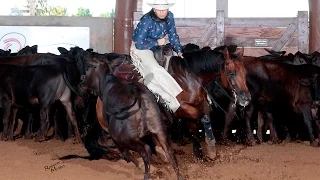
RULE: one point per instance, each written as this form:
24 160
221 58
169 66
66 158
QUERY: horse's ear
226 54
306 82
240 52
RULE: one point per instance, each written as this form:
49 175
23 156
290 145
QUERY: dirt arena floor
27 160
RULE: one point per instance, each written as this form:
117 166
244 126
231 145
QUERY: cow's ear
63 50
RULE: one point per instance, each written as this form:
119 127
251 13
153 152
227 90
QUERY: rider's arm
140 35
172 34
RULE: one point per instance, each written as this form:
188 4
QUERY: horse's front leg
273 131
250 139
193 130
228 119
209 137
210 140
189 112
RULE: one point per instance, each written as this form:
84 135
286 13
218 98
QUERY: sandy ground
27 160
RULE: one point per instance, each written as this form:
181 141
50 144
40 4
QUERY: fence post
123 25
303 32
220 28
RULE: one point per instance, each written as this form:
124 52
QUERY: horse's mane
202 61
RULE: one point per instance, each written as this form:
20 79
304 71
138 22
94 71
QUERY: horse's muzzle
83 91
244 98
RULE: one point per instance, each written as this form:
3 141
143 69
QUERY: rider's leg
156 78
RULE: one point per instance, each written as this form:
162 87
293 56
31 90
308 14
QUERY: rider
150 32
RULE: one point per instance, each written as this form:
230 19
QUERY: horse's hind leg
71 115
260 126
197 150
166 146
145 151
307 117
273 132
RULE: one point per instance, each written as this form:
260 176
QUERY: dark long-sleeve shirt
149 30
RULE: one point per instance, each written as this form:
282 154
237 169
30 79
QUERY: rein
216 104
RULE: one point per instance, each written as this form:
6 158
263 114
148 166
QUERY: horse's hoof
315 144
180 178
10 138
3 137
251 143
225 142
77 140
198 154
211 148
147 177
27 136
113 156
275 141
18 136
182 142
260 140
39 138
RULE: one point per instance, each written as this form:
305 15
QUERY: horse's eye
232 73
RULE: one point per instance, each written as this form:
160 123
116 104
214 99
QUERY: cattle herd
81 94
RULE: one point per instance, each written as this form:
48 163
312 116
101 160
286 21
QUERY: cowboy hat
160 4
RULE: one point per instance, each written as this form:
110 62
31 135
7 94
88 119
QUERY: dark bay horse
131 112
275 86
193 73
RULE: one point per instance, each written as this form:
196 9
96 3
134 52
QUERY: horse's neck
208 78
103 80
266 69
163 56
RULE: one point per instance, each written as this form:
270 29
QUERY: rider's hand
161 41
180 54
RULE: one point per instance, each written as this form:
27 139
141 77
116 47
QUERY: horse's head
190 47
95 69
162 53
233 76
